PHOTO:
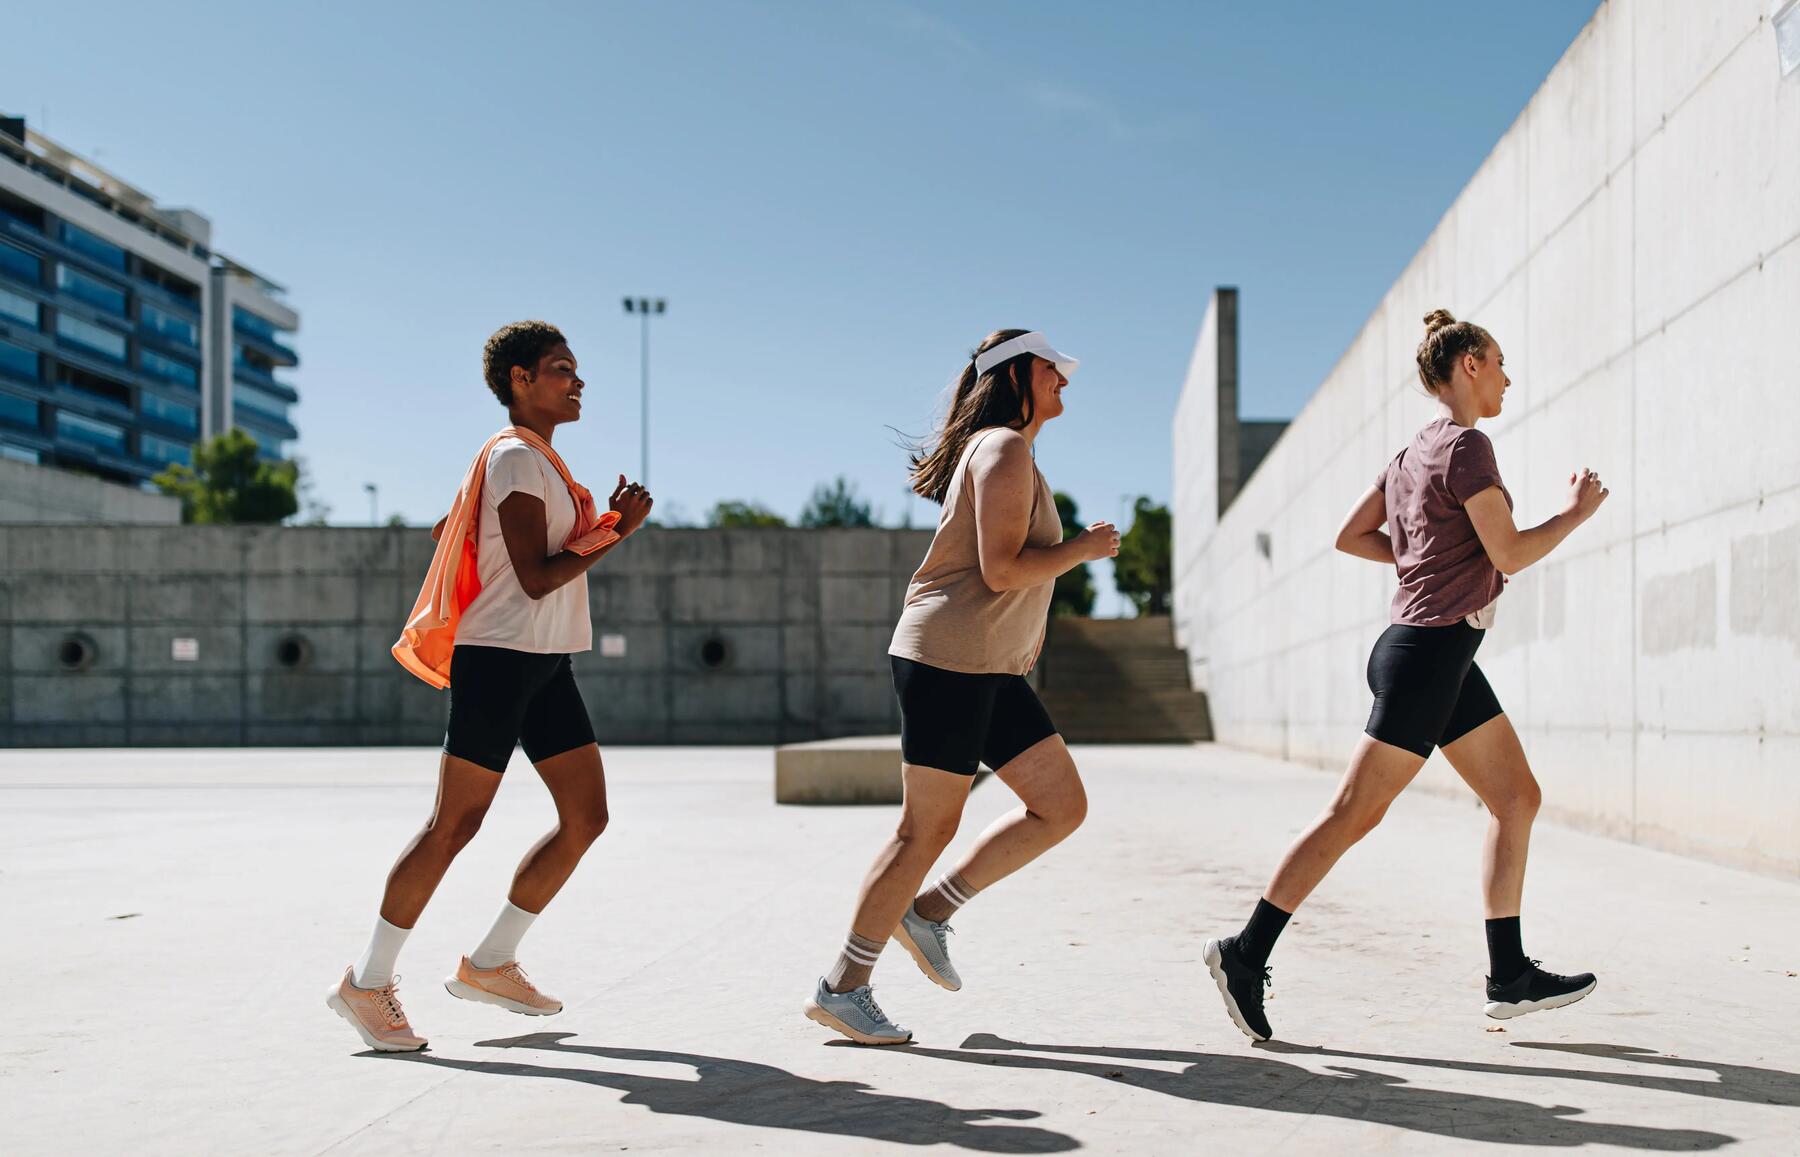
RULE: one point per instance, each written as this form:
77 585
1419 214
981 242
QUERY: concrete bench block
865 769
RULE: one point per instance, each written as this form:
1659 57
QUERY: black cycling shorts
1428 690
499 698
951 721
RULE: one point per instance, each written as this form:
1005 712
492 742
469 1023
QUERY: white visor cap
1025 343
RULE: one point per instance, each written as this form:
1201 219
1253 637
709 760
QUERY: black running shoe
1241 985
1535 990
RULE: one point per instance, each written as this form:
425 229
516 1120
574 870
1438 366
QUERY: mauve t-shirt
1445 575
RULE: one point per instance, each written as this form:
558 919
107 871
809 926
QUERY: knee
926 835
586 826
451 834
1356 818
1065 813
1521 804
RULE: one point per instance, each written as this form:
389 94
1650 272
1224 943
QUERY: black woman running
503 607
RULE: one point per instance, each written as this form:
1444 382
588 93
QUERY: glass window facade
17 411
92 247
168 369
168 325
163 451
19 361
81 428
172 412
92 290
262 327
18 453
269 444
20 264
261 401
89 336
17 307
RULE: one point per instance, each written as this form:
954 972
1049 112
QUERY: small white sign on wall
612 646
184 650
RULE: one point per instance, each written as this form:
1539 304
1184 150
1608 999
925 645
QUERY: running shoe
1241 985
1535 990
506 986
929 945
376 1015
856 1015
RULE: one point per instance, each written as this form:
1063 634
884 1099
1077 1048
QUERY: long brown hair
1000 397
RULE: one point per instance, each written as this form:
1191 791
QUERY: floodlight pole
643 307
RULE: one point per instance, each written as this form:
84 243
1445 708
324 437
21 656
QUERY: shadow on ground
748 1093
1259 1082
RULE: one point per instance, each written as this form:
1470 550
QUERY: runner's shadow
1259 1082
1744 1083
747 1093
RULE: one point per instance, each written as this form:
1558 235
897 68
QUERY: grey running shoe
929 945
856 1015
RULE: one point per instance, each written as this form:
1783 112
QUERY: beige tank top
952 618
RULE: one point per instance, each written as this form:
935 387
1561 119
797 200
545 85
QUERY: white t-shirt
503 615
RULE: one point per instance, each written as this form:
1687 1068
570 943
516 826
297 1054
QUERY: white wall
1633 243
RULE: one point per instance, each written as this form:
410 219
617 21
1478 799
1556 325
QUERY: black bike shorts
1428 690
952 721
499 698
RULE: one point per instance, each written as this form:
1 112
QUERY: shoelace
515 973
1268 979
941 931
864 998
389 1003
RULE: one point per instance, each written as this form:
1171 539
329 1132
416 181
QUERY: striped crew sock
854 963
940 901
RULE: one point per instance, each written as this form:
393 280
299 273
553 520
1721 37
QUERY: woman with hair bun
1450 536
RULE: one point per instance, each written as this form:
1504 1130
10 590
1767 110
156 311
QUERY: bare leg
929 815
577 783
464 792
1052 805
1377 773
1492 761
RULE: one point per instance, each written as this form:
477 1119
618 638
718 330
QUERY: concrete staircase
1120 681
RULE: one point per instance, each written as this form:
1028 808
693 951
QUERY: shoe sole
818 1014
1215 964
463 991
340 1006
1500 1010
923 961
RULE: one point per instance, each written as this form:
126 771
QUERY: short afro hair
520 344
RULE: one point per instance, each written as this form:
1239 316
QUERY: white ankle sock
376 968
502 943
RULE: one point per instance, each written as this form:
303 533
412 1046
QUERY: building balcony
267 346
264 380
268 423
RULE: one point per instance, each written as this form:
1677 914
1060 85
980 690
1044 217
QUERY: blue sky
838 199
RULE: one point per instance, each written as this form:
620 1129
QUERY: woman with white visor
970 630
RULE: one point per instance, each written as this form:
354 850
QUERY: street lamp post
370 487
644 307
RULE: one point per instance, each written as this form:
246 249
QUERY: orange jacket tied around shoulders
452 583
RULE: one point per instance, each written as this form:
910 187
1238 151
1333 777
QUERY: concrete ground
172 920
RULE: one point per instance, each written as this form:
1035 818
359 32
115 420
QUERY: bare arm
437 531
1361 533
1511 549
522 526
1004 484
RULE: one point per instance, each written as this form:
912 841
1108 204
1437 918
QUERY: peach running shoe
506 986
376 1015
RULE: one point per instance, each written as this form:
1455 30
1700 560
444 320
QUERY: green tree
732 514
228 483
835 504
1074 590
1142 570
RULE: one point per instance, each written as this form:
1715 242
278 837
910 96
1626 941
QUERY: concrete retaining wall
798 620
1633 242
33 493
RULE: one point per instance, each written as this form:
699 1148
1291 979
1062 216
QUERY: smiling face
1047 385
552 392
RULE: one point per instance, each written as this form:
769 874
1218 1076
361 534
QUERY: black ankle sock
1257 939
1506 958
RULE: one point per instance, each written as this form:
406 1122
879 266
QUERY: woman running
504 605
1451 536
971 628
